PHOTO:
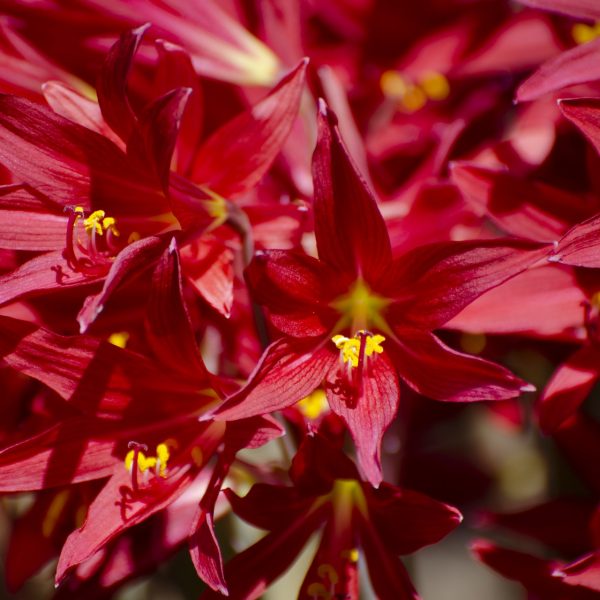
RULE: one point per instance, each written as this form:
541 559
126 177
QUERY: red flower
328 494
355 319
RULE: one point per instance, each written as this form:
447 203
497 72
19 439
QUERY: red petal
32 231
580 247
47 272
387 573
370 413
434 283
238 154
168 326
585 114
153 140
549 305
208 266
115 509
568 388
205 552
112 83
71 164
585 572
249 573
94 376
283 376
297 290
283 502
131 261
350 231
175 69
577 65
584 9
407 520
522 208
71 451
68 103
458 377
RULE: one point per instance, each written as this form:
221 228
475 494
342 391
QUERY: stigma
363 343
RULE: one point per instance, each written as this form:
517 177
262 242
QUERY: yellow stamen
158 462
595 300
314 405
350 347
435 86
583 33
413 95
351 555
99 222
119 339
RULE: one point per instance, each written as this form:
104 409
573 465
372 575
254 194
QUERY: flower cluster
330 268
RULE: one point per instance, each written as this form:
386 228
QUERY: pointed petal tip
528 388
139 31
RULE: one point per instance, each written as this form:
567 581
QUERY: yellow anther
54 512
317 590
435 86
158 462
583 33
119 339
99 222
351 555
350 347
314 405
328 572
595 300
414 99
134 237
413 96
78 210
163 455
392 84
110 223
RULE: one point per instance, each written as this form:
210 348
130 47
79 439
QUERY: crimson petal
577 65
112 83
458 377
238 154
350 231
370 413
568 388
283 376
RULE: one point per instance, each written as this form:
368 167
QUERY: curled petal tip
528 388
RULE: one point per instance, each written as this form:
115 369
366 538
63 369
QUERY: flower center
361 308
137 460
91 240
354 348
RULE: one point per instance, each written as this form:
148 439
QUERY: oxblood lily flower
152 451
328 494
114 198
355 320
